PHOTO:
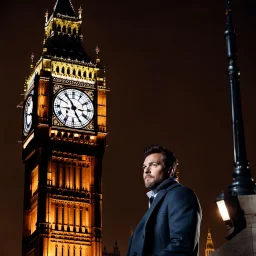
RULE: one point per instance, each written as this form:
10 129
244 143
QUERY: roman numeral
85 116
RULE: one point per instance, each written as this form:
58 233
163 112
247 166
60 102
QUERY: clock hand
62 100
77 116
73 107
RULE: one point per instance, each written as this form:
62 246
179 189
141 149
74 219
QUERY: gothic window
34 180
64 29
90 75
63 175
62 251
68 71
57 69
62 208
81 212
63 70
85 74
57 174
79 73
74 72
56 216
58 28
56 251
74 32
69 30
74 175
74 217
80 174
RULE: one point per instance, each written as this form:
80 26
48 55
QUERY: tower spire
64 7
243 183
209 248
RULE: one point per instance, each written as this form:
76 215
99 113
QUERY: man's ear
171 171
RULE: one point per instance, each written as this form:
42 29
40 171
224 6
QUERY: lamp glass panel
223 210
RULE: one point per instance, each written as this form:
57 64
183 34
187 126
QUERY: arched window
79 73
85 74
68 71
69 30
64 29
74 72
74 31
63 70
90 75
58 28
57 69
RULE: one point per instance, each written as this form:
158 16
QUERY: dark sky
167 74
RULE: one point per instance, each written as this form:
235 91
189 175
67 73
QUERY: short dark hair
170 160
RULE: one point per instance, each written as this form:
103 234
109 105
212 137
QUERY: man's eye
154 164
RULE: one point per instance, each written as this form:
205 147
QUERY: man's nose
147 169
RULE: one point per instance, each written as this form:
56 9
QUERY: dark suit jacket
171 226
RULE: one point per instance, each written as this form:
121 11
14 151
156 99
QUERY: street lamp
231 213
242 184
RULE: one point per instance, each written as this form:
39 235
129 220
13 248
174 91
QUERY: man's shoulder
180 191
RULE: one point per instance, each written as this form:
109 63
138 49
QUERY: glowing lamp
231 213
223 210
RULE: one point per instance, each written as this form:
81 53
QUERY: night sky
166 68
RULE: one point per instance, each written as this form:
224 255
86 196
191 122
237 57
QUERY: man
171 226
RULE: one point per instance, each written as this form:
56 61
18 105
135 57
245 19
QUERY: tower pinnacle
209 244
32 61
97 50
80 10
46 16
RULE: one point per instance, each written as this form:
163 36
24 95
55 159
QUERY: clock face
73 108
28 115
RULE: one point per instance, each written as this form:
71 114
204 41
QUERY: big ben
64 131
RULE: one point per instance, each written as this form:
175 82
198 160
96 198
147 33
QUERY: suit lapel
157 200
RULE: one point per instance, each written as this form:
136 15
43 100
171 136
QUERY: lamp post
243 184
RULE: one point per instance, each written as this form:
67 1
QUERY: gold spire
209 244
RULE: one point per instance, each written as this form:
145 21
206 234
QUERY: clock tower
64 131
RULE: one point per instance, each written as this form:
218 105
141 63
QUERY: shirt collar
162 185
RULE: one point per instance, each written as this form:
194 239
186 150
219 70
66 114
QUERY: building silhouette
63 142
209 248
115 251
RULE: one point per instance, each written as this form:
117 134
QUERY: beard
152 184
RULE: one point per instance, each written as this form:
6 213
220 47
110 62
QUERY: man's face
154 171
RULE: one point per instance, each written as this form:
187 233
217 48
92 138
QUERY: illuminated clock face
73 108
28 115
